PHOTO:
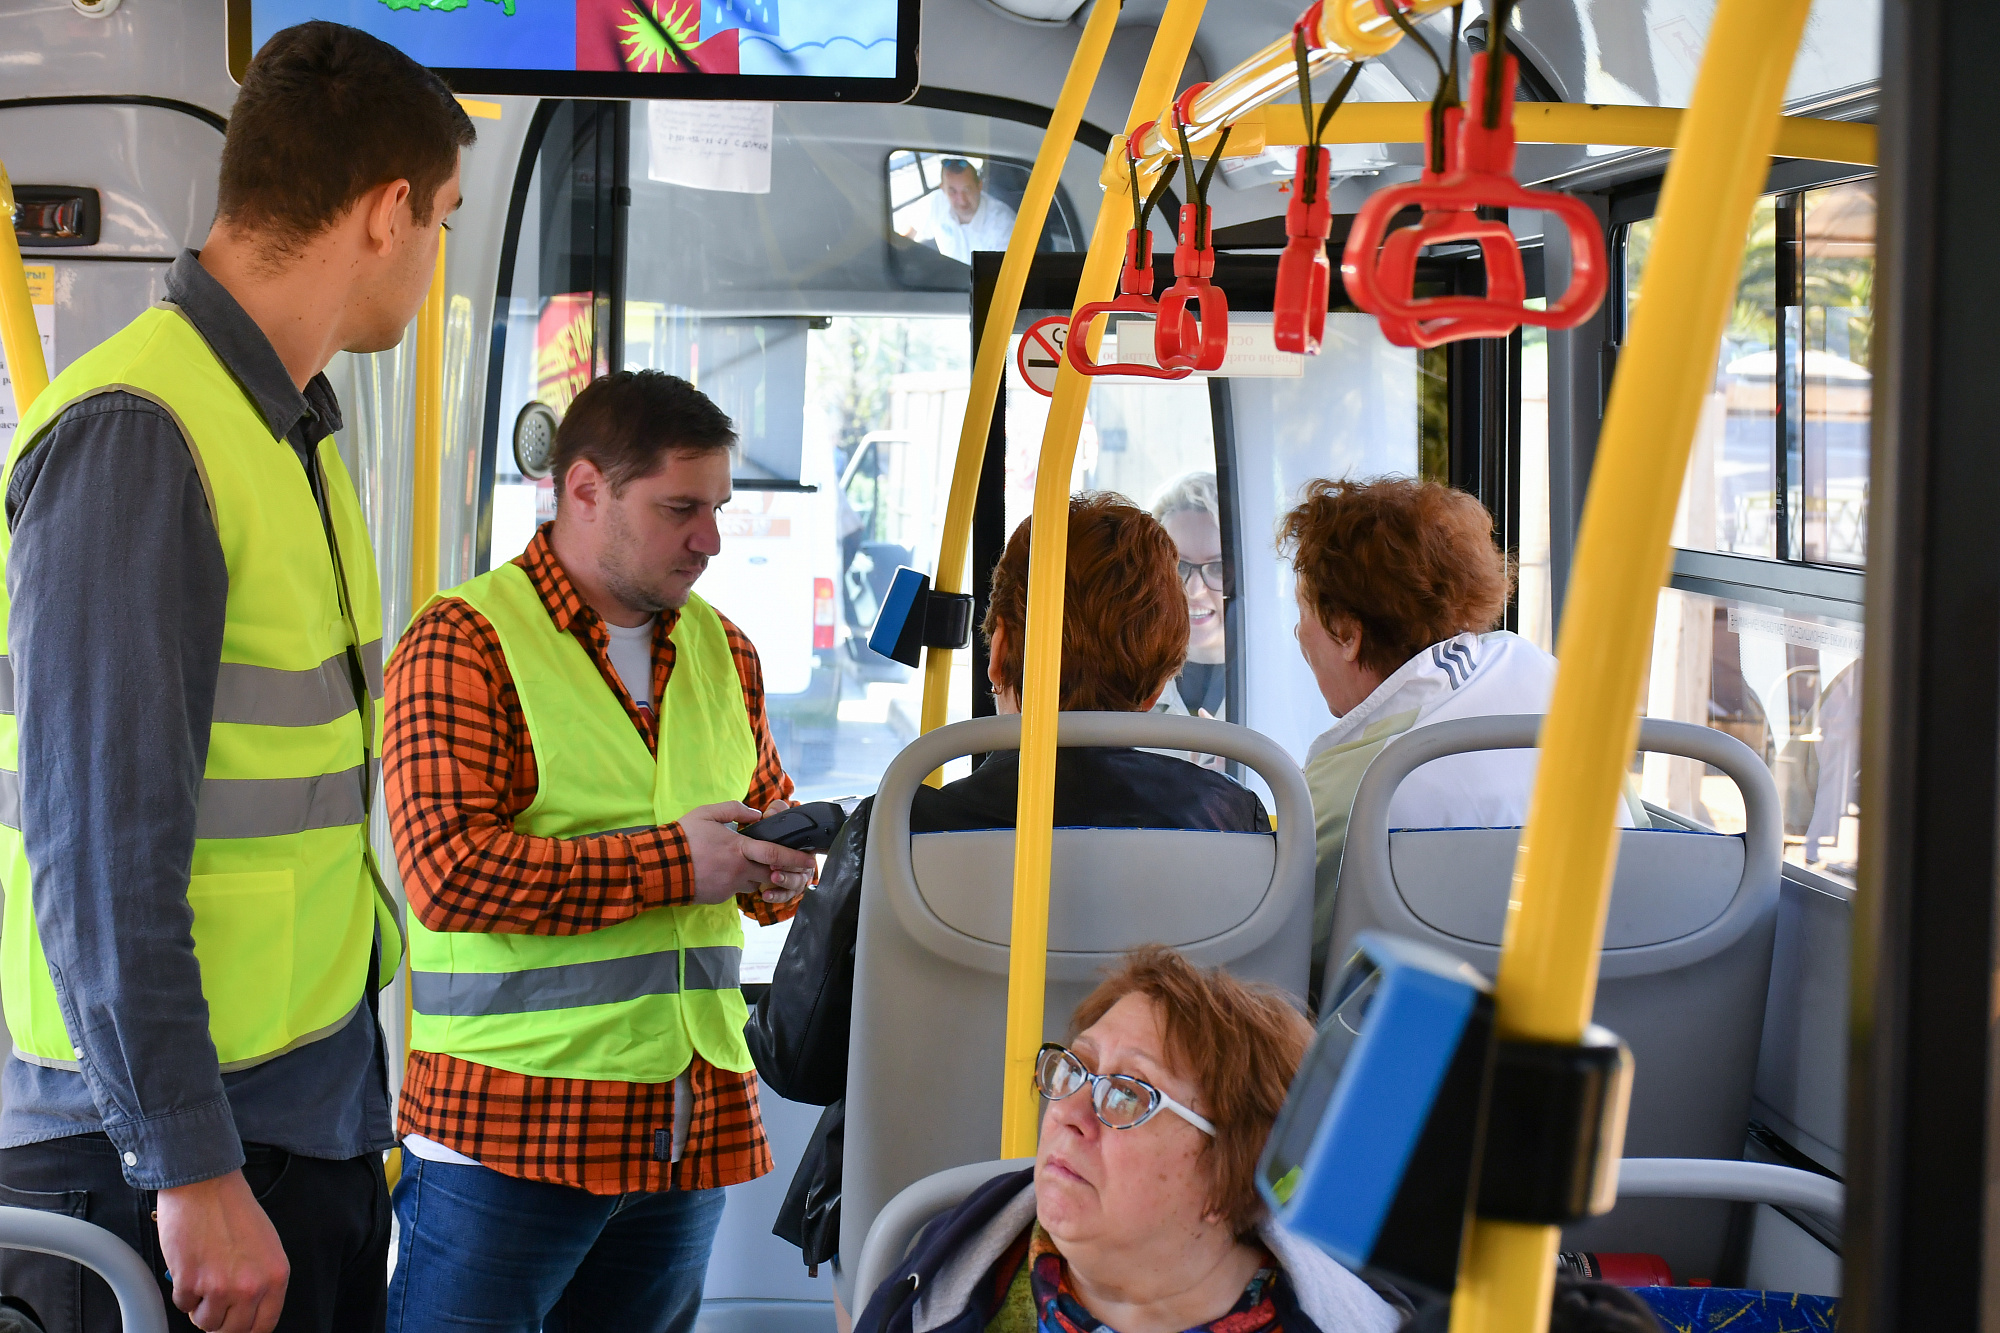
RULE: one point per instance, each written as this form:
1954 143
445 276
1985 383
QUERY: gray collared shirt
118 588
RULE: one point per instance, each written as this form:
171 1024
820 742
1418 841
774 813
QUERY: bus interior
1830 501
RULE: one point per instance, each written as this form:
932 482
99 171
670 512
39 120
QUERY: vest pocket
243 933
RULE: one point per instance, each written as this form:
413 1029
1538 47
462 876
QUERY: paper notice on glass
42 297
711 145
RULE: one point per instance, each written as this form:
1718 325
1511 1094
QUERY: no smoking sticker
1040 354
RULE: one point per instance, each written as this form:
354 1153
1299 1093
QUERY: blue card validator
1374 1154
914 616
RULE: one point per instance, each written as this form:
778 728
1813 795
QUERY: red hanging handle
1135 296
1182 340
1379 266
1304 276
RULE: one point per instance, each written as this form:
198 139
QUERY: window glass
1779 464
1788 686
1534 605
1729 497
1837 258
845 378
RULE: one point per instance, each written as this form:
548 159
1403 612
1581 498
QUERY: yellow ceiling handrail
19 337
1547 982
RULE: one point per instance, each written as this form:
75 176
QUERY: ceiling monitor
735 50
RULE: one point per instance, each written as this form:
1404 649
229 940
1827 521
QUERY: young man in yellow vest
569 740
195 929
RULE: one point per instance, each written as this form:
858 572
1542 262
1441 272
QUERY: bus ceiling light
1477 171
95 9
1038 13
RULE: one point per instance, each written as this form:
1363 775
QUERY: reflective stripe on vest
632 1002
286 904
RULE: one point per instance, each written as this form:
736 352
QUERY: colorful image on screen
792 38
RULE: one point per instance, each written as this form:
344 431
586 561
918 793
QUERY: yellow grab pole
989 367
1566 123
426 483
19 337
1041 686
1547 981
427 477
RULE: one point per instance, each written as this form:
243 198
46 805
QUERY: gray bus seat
1685 969
930 984
897 1226
140 1308
905 1216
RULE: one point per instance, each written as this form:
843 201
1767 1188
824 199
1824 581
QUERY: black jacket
798 1031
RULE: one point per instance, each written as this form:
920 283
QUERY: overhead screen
748 50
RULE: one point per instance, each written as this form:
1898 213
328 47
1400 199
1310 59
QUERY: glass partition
1786 684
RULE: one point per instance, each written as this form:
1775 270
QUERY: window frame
1787 583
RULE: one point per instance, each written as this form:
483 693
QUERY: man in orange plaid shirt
569 742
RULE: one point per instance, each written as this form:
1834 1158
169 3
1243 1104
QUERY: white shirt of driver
991 227
632 657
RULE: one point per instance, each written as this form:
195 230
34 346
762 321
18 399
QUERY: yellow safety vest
632 1002
283 887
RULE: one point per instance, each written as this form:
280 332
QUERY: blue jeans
483 1250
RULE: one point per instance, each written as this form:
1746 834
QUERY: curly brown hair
1125 618
1411 562
1239 1043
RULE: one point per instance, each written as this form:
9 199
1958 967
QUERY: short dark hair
628 421
326 114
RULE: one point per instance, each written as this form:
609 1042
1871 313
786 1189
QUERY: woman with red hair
1400 590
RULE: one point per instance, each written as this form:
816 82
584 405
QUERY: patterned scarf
1061 1312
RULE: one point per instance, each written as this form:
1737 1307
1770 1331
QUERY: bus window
1786 684
1779 468
1533 597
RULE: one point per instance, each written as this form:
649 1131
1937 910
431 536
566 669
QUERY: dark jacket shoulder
891 1308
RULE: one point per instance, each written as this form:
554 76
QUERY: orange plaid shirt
458 767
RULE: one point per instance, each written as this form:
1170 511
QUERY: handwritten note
711 145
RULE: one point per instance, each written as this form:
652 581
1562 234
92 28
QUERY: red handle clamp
1135 296
1379 267
1304 276
1182 340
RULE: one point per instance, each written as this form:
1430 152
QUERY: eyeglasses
1211 573
1121 1101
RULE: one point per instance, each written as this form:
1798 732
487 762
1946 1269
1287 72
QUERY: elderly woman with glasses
1141 1214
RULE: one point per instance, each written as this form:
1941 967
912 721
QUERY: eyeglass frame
1161 1101
1189 569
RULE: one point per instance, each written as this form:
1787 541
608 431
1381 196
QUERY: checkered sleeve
456 760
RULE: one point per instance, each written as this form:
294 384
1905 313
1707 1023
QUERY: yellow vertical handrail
427 476
1041 686
19 337
426 513
989 365
1547 981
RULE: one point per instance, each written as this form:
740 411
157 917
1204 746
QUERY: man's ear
584 490
382 207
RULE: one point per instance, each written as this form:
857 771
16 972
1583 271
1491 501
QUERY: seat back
1686 963
930 984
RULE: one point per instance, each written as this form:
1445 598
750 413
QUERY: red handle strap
1184 340
1379 267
